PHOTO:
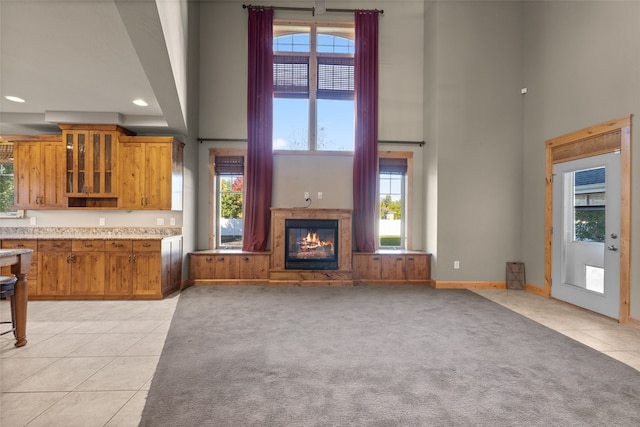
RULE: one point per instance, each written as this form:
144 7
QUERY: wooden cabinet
147 259
98 167
393 267
87 267
91 156
227 267
103 269
119 268
54 268
39 174
152 173
32 277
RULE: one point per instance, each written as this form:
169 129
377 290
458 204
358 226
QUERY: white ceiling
75 61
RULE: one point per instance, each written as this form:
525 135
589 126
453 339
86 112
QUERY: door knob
612 248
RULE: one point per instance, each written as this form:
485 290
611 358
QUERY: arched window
313 87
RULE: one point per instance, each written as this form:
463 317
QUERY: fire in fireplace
311 244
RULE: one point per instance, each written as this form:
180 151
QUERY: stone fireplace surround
278 274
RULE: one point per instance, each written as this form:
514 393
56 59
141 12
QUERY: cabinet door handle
221 259
88 245
129 258
410 259
208 259
20 245
135 257
376 259
245 258
399 259
118 245
146 245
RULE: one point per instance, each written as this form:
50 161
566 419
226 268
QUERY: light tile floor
90 363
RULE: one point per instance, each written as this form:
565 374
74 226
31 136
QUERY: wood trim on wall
602 138
441 284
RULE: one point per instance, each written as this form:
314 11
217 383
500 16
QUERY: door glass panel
595 278
70 169
589 205
96 163
108 166
81 163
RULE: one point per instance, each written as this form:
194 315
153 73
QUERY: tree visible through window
7 183
589 205
228 167
313 84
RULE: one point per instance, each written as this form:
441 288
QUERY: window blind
290 76
6 154
229 165
392 165
335 78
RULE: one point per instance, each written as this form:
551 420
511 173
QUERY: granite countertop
13 252
131 233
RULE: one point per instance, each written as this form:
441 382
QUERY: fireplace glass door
311 244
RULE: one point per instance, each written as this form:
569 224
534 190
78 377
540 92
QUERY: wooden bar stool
7 284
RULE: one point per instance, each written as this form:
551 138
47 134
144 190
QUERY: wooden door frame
607 137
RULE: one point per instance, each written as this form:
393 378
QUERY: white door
586 226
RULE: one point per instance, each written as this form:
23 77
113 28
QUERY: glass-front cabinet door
90 163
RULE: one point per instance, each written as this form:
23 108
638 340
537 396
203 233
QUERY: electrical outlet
172 221
33 220
306 195
102 221
160 221
456 265
319 195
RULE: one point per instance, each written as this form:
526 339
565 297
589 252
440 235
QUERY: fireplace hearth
311 244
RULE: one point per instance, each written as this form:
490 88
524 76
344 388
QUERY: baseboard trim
537 290
633 322
440 284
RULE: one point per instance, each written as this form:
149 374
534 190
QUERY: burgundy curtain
258 175
365 159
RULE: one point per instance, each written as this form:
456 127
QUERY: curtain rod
308 9
201 140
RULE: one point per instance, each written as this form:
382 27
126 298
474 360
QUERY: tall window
313 85
7 188
394 203
228 168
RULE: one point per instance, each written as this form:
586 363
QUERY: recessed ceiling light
14 98
140 102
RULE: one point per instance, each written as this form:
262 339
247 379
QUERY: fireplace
311 244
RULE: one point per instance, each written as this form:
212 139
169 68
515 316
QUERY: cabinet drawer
146 245
87 245
54 245
118 245
20 244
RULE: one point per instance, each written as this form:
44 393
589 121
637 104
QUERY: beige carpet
376 356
